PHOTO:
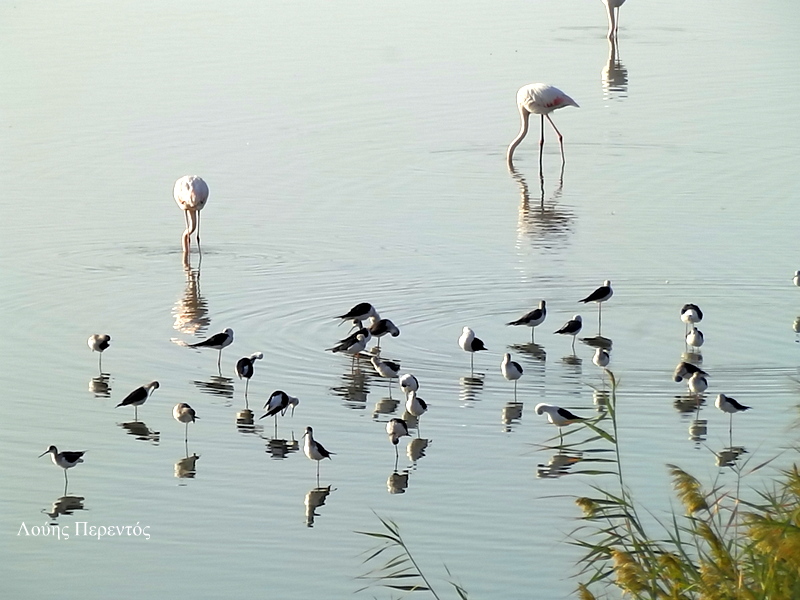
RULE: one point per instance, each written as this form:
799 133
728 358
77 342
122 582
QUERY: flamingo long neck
612 20
523 131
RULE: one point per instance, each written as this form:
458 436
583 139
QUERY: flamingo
191 194
612 6
540 99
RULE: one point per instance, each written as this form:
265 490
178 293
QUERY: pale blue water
356 151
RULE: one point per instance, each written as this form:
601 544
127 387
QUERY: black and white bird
386 368
690 315
381 327
353 344
314 450
138 397
415 406
572 327
395 429
279 402
600 295
409 383
245 368
532 319
99 343
684 370
511 370
470 343
65 460
218 341
601 358
183 413
557 416
698 383
359 313
730 406
796 279
695 338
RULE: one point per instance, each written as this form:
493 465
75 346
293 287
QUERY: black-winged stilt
138 397
532 319
99 343
314 450
571 327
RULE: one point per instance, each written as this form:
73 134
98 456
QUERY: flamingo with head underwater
539 99
191 194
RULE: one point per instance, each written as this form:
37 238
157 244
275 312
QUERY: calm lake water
356 152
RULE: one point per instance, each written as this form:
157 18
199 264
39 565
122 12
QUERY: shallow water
357 152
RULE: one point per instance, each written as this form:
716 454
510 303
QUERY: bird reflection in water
573 369
353 389
279 448
598 341
416 449
727 457
245 422
694 358
471 388
397 482
100 386
600 399
511 415
615 75
186 468
217 385
698 429
531 351
191 310
689 403
141 432
385 406
66 505
314 499
559 464
544 223
796 329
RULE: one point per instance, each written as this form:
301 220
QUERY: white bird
572 327
796 279
245 368
730 406
409 383
540 99
698 383
415 406
601 358
557 416
314 450
469 343
695 337
138 397
99 343
65 460
386 368
279 402
600 295
532 319
218 341
612 6
353 344
511 370
684 370
395 429
183 413
381 327
191 194
691 314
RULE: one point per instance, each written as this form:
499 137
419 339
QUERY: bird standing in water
539 99
245 368
65 460
314 450
191 194
184 413
532 319
469 343
99 343
138 397
218 341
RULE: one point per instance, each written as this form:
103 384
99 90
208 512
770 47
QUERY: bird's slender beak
43 453
262 416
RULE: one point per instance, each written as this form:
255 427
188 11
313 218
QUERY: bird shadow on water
191 309
545 223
